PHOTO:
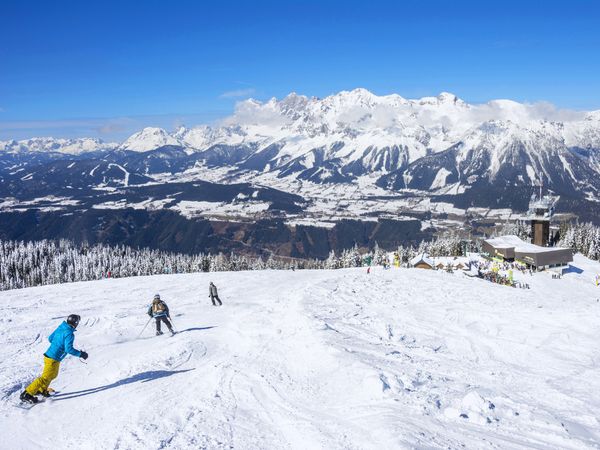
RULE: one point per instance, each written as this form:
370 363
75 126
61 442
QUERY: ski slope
399 358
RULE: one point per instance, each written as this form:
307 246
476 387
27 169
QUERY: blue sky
105 69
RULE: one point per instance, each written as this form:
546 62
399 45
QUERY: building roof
511 241
421 258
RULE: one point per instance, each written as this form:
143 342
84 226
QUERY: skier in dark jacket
160 311
61 344
213 294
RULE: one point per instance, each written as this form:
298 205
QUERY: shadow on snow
143 377
573 269
195 329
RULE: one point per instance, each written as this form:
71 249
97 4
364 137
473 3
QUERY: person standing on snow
160 311
61 344
213 294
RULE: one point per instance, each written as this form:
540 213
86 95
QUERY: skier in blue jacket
61 344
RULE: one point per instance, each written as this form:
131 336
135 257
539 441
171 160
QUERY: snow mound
474 408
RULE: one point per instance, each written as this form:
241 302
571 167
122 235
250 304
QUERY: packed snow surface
398 358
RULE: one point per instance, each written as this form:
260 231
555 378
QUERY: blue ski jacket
61 343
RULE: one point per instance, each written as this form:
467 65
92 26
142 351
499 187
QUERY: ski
27 405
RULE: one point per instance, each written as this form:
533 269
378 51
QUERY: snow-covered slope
584 133
500 153
402 358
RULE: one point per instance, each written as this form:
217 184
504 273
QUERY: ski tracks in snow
470 373
307 359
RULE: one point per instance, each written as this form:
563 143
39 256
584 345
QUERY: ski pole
145 327
172 324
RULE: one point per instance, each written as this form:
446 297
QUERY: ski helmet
157 297
73 320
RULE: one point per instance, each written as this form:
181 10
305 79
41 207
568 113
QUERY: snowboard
41 399
27 406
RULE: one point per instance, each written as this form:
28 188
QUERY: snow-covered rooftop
512 241
421 258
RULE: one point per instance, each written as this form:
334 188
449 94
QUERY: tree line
37 263
583 238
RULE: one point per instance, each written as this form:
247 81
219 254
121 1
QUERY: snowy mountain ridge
360 120
49 144
489 155
353 117
356 133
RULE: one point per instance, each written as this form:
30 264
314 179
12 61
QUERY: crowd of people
501 272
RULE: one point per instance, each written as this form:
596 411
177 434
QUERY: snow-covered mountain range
49 144
488 155
361 132
361 120
357 118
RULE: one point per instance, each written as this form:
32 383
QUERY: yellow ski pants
49 373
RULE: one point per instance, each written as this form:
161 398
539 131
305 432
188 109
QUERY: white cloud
237 93
252 112
523 112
